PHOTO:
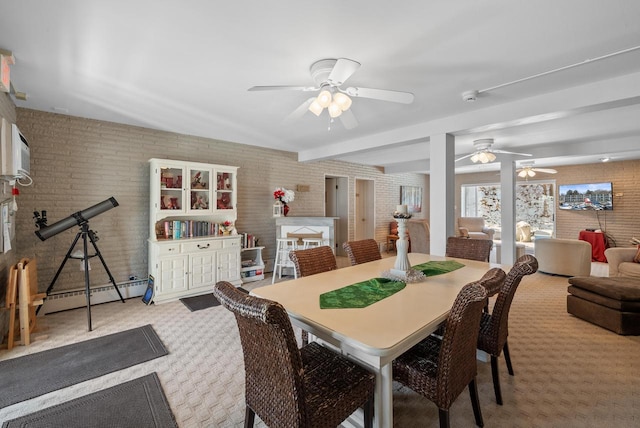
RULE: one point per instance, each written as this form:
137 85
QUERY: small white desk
374 336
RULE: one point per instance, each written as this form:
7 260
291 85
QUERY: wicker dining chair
290 387
441 368
313 260
310 262
363 251
494 327
470 249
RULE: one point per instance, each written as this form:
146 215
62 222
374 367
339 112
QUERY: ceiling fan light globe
522 174
334 110
343 101
324 98
475 158
315 107
490 156
531 173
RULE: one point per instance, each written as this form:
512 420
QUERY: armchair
419 236
621 262
474 228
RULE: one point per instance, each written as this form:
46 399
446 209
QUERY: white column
508 208
441 192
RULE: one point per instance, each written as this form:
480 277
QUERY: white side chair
284 245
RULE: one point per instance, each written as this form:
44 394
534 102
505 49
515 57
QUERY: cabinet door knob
203 247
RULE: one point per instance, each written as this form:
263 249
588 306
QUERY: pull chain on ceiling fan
329 75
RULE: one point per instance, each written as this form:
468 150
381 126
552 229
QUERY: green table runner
365 293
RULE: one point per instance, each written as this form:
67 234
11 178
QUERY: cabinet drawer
168 250
192 247
231 243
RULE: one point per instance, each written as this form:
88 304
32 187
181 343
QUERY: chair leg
507 357
475 402
249 417
368 413
444 418
496 379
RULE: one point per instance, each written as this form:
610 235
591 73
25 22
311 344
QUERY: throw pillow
637 257
464 232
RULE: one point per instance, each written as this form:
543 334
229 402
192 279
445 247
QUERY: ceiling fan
527 170
484 153
329 75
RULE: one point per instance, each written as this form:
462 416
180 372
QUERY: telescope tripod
84 233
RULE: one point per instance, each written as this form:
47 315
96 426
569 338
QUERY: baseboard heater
72 299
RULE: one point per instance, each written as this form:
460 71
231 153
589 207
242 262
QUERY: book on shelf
179 229
248 240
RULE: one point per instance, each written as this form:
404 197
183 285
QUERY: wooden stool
311 243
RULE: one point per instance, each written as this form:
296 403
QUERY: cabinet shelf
254 272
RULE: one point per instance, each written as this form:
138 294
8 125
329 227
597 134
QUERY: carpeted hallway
568 373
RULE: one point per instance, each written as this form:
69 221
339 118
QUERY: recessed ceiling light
605 159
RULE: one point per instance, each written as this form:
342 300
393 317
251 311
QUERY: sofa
474 227
621 262
566 257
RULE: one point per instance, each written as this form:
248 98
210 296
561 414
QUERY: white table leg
383 416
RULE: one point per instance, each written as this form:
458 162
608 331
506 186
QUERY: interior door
337 205
364 216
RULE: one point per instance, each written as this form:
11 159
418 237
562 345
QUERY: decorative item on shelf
196 181
283 198
227 228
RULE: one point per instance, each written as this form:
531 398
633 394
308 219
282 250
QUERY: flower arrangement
284 195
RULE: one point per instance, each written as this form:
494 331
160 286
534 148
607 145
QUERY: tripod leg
113 281
67 257
87 289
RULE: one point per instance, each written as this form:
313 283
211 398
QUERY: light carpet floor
568 373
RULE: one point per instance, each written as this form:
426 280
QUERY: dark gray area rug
203 301
139 403
33 375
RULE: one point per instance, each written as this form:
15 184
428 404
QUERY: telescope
76 219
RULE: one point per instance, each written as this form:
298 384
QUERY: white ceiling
186 66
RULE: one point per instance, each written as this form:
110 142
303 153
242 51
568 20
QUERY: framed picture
411 196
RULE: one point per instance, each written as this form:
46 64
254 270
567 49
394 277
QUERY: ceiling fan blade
545 170
298 112
342 70
511 153
381 94
464 157
348 119
283 88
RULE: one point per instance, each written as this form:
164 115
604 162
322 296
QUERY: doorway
336 191
365 212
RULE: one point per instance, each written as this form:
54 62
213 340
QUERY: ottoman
612 303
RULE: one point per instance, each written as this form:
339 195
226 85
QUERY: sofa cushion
620 288
629 269
636 259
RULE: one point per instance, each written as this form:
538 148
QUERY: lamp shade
334 110
324 98
315 107
343 101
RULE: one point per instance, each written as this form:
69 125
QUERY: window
535 204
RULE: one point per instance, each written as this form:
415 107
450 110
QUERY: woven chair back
457 360
470 249
494 334
273 367
313 260
362 251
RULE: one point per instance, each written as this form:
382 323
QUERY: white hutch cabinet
189 250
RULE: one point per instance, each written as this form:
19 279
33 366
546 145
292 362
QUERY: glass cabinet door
171 189
225 183
199 189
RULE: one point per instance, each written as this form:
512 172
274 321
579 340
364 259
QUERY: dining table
375 335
